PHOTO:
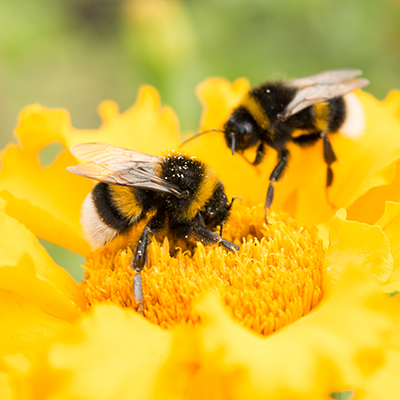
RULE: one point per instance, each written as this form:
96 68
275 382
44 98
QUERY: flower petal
219 94
5 388
366 163
24 325
356 243
385 384
146 126
26 269
47 200
390 223
112 354
313 357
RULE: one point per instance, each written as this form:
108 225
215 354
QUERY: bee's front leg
208 237
260 154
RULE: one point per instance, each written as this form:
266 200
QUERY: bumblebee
301 111
175 194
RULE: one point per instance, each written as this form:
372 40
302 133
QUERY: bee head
241 131
216 210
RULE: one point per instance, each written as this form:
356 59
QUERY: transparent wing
114 157
326 77
119 166
322 87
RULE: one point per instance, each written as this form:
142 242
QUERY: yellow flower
285 317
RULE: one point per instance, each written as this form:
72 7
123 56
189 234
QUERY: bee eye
244 141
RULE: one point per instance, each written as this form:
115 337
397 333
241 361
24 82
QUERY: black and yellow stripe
321 118
116 206
253 106
125 200
204 191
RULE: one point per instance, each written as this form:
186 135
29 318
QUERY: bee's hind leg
138 263
329 158
138 291
276 175
140 257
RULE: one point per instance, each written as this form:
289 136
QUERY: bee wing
119 166
326 77
322 87
113 156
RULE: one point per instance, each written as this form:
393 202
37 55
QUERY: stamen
274 279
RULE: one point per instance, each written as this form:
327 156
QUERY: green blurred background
77 53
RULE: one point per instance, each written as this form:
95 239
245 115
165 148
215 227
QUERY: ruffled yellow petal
47 200
5 388
146 126
371 161
27 270
117 354
356 243
223 98
319 354
111 354
390 224
385 383
364 163
24 325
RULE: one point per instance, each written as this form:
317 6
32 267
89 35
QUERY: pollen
273 280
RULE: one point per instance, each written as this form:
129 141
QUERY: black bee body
175 195
122 207
302 111
276 133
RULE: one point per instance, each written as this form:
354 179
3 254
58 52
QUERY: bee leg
330 158
276 175
260 153
138 263
207 237
229 245
140 257
138 291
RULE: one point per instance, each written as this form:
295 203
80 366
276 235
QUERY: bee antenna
233 144
233 199
199 134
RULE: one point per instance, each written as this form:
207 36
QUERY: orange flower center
273 280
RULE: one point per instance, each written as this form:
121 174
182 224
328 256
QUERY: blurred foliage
346 395
76 53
